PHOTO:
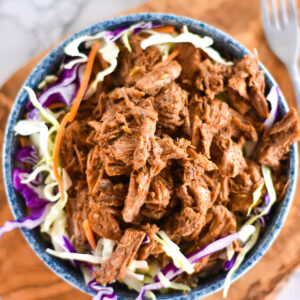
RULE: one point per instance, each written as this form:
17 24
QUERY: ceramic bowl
227 46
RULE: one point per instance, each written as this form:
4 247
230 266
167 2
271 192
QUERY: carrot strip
70 116
58 140
168 59
172 56
23 141
165 29
84 82
89 233
56 105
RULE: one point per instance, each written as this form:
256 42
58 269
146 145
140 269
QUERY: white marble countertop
28 27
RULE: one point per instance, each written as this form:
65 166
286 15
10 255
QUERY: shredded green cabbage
172 285
46 81
271 191
76 256
256 197
46 113
230 252
126 33
142 265
204 43
32 176
86 272
105 248
110 53
27 127
72 48
250 244
173 251
59 226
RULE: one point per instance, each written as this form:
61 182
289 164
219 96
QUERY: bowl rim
32 82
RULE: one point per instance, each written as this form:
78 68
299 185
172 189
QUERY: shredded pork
161 147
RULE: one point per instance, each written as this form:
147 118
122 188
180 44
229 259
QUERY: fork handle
294 75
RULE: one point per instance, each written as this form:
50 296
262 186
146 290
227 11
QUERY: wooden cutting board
24 276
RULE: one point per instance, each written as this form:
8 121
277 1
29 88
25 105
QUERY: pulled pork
161 147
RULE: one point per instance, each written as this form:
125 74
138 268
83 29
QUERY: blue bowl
227 46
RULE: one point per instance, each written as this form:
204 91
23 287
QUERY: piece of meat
225 190
206 164
173 150
151 248
104 224
115 267
153 211
229 157
244 126
202 197
137 194
212 77
160 190
189 59
77 210
249 82
222 222
243 187
124 137
276 141
208 117
93 168
170 104
143 147
73 150
184 224
133 65
202 136
151 83
111 195
238 102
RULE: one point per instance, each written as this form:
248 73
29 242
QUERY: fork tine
283 12
274 15
293 10
265 14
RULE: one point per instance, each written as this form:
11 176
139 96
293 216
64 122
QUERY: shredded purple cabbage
273 98
36 218
103 292
229 263
64 90
146 240
70 248
28 155
171 271
258 210
32 194
112 36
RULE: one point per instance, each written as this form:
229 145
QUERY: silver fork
282 35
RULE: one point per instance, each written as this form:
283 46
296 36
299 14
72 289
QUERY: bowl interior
229 48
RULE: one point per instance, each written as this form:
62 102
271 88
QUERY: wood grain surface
24 276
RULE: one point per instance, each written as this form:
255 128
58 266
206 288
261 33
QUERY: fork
281 32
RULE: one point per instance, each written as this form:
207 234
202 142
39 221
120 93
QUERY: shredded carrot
84 82
168 59
165 29
23 141
89 233
56 105
172 56
70 116
56 152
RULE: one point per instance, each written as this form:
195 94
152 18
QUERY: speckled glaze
227 46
